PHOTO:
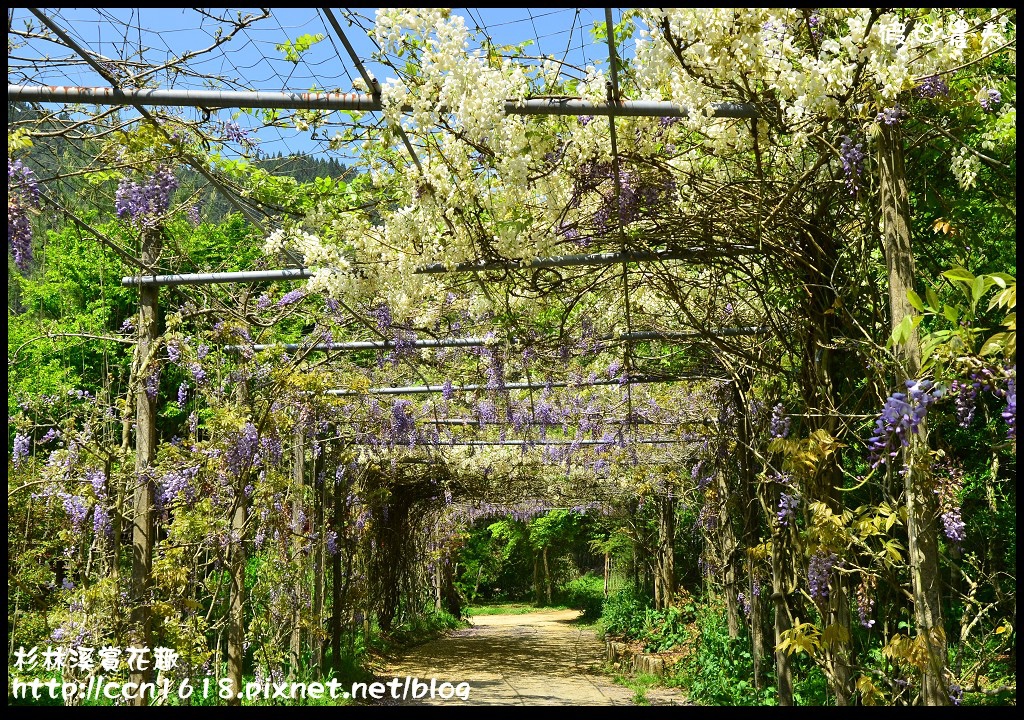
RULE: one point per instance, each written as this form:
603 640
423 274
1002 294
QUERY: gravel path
539 658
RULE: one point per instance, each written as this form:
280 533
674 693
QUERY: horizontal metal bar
548 262
344 101
589 259
480 342
214 278
368 345
714 332
472 422
423 389
536 443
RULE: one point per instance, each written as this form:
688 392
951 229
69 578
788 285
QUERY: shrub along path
538 658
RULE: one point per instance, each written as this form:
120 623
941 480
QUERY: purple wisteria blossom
76 508
144 202
852 155
989 99
198 373
22 194
932 86
890 115
818 571
240 454
780 423
21 448
903 412
787 508
403 424
292 297
1009 414
382 314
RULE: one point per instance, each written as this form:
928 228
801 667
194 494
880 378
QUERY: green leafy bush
719 670
624 613
587 594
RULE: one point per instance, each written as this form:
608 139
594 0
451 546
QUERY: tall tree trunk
781 569
298 480
320 548
922 502
145 455
819 392
665 577
748 496
236 608
537 593
336 584
607 572
236 565
758 637
727 552
437 586
547 575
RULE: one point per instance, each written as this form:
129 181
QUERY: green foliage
624 613
421 628
293 49
719 670
585 593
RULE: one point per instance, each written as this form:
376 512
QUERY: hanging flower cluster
146 201
903 413
22 194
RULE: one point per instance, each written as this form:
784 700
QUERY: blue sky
251 60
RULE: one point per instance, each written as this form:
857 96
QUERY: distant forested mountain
60 165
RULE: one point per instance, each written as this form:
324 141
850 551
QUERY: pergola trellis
614 107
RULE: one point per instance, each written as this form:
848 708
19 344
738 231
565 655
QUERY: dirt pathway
540 658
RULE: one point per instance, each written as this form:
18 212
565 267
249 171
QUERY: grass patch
639 684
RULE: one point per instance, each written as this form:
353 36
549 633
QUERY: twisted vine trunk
746 467
143 529
727 551
818 380
320 548
922 503
782 584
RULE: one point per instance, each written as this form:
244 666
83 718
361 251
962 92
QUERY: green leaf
933 299
952 313
959 273
915 300
994 344
977 288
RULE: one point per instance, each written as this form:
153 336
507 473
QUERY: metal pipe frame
480 342
215 278
475 422
345 101
425 389
534 444
588 259
714 332
367 345
548 262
